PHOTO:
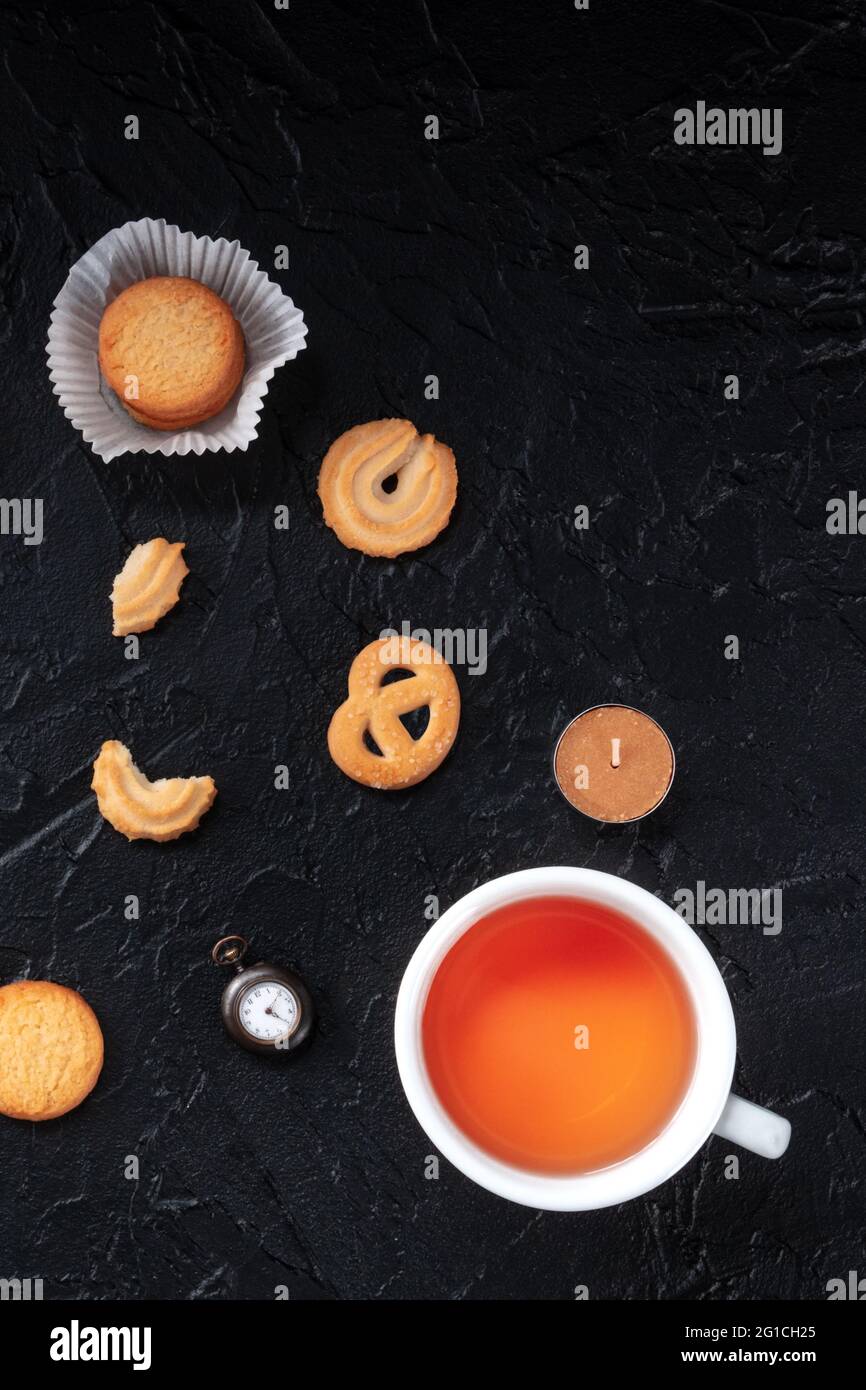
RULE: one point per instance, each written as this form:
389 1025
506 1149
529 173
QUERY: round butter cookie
50 1050
172 351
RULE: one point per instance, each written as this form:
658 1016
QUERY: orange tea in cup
559 1035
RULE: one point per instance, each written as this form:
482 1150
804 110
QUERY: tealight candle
614 763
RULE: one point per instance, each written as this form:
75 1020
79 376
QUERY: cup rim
601 820
699 1108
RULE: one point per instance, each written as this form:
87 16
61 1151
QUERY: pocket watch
265 1008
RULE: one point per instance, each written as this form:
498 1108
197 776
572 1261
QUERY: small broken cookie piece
144 810
148 585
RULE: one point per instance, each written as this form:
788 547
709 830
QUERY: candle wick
614 752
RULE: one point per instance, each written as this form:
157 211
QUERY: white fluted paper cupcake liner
273 329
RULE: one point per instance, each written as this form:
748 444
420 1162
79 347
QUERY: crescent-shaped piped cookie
148 585
144 810
370 518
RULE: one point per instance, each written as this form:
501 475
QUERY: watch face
268 1010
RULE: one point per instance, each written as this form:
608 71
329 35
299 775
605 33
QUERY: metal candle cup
628 754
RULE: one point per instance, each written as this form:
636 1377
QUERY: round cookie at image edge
172 351
51 1050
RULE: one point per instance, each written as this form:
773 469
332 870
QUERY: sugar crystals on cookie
373 712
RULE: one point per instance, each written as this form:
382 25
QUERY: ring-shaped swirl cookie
358 507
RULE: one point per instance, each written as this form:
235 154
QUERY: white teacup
708 1107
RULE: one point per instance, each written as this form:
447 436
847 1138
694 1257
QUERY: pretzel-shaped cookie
375 710
355 503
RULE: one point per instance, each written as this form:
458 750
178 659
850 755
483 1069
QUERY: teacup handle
753 1127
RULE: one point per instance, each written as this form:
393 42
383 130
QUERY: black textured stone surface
558 387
